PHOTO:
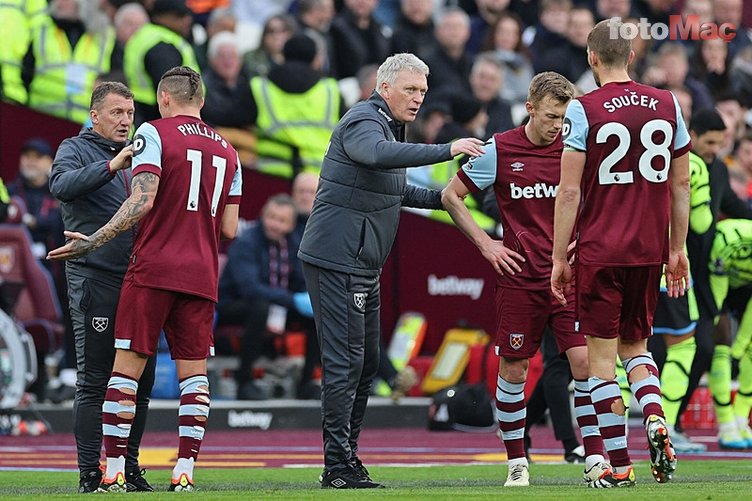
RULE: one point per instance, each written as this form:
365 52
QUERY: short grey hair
220 39
129 8
490 58
405 61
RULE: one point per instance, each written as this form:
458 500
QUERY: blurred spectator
17 20
730 11
744 162
228 105
733 113
711 65
606 9
277 30
219 20
684 97
550 31
367 80
303 194
642 48
656 11
450 59
482 24
157 47
42 217
110 7
469 118
431 118
414 29
528 10
69 48
128 20
257 12
741 75
262 288
506 42
486 83
739 182
700 8
315 18
297 111
570 59
204 9
670 68
42 212
358 39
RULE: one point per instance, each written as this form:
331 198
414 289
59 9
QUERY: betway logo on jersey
538 190
455 286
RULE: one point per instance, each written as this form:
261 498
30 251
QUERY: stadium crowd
279 74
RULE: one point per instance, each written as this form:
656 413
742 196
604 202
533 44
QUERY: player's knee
579 367
514 370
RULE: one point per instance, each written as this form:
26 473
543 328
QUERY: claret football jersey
630 132
178 240
525 178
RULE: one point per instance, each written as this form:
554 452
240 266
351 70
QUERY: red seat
37 308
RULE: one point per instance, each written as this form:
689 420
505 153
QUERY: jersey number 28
652 150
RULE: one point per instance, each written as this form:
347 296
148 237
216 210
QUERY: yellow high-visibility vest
63 75
291 124
145 39
17 19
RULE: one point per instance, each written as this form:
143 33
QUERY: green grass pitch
706 480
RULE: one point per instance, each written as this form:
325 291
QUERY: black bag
463 407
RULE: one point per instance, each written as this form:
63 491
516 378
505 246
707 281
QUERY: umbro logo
338 483
517 166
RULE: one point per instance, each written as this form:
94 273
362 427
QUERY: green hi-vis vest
293 130
700 214
441 174
64 75
17 19
145 39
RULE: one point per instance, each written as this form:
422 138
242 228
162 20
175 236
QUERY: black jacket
90 195
361 189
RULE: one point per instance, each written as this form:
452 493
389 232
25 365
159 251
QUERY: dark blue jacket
246 274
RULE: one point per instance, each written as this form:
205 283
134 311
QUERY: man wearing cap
91 178
42 215
155 48
297 109
39 212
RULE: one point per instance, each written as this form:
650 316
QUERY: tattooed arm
143 192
